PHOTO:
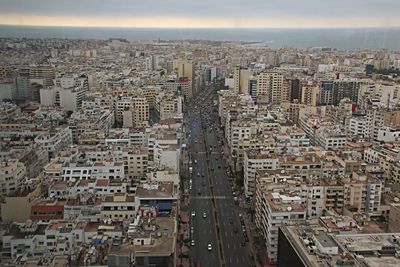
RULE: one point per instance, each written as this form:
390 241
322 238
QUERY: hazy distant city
265 134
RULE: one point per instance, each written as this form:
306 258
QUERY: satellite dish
289 208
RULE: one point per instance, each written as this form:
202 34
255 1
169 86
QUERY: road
213 192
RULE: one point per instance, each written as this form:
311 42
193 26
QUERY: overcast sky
202 13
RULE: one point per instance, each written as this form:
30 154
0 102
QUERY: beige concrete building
132 111
11 174
241 80
270 85
150 94
309 92
17 206
135 162
184 68
120 207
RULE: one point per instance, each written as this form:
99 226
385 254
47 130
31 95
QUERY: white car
193 213
192 243
209 246
204 215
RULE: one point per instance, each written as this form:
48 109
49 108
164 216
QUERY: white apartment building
330 138
240 130
358 126
273 209
371 155
256 160
68 92
63 237
71 98
375 120
388 134
83 170
30 241
313 197
167 156
55 140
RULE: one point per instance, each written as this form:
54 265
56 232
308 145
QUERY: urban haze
199 133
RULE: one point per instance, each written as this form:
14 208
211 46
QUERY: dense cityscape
197 153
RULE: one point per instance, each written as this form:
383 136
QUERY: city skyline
204 14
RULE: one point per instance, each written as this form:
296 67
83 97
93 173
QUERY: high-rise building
8 89
184 68
68 92
253 88
270 85
309 92
345 89
185 72
38 75
241 78
295 90
325 95
152 62
211 74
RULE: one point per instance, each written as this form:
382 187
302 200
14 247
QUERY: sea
341 39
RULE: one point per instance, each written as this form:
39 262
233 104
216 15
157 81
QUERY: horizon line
205 28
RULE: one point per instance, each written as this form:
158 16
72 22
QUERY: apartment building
330 138
86 170
136 162
131 111
255 160
241 78
55 140
119 207
12 173
272 210
270 85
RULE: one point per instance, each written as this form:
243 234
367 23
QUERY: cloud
226 13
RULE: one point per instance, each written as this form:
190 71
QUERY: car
193 213
204 215
190 187
195 141
209 246
198 174
219 166
192 243
199 192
